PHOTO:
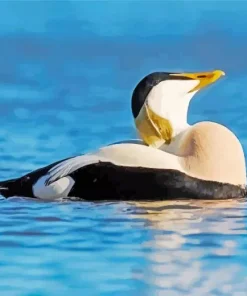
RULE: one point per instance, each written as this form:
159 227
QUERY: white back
130 154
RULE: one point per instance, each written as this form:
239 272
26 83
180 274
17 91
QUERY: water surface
67 70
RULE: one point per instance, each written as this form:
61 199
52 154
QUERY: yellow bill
205 78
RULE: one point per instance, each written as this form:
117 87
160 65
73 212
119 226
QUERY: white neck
170 99
174 146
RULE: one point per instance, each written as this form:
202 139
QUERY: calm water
67 69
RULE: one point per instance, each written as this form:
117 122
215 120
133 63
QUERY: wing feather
71 165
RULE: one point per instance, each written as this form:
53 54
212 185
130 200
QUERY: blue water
67 70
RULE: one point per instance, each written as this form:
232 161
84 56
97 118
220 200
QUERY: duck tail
6 188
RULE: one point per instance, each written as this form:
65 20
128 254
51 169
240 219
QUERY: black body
106 181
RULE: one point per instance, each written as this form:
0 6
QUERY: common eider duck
174 161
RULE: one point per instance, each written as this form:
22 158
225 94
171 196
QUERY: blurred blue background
67 71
